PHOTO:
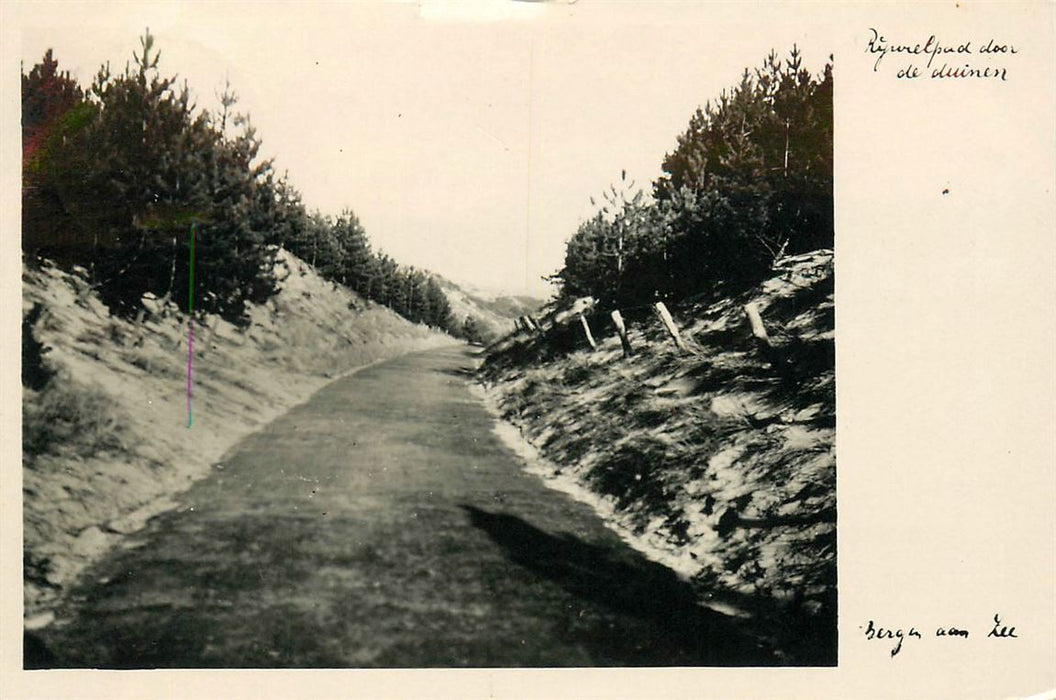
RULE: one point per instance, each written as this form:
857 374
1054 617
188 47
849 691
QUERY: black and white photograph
497 335
573 404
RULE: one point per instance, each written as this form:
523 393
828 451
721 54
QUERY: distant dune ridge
495 312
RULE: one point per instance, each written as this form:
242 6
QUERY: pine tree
135 168
116 179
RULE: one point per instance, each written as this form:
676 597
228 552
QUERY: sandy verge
113 445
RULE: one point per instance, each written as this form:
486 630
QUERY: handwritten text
897 636
935 58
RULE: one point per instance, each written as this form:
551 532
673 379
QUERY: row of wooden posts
529 324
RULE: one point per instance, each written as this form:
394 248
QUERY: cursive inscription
941 59
896 637
1001 631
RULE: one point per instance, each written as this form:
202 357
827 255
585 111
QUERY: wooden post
535 324
138 326
622 330
212 333
586 332
181 334
758 329
669 323
769 352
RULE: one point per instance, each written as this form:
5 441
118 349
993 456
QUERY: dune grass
69 416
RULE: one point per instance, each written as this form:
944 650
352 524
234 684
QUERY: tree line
749 181
116 175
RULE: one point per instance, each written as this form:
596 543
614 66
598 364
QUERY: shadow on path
468 373
632 586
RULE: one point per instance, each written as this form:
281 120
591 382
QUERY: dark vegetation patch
66 415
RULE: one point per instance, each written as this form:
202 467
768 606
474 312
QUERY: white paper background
946 375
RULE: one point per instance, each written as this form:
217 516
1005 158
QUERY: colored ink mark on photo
190 326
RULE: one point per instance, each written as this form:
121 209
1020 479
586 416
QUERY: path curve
382 524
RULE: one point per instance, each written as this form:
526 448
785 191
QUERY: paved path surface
382 524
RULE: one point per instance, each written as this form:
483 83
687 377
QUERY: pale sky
467 137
